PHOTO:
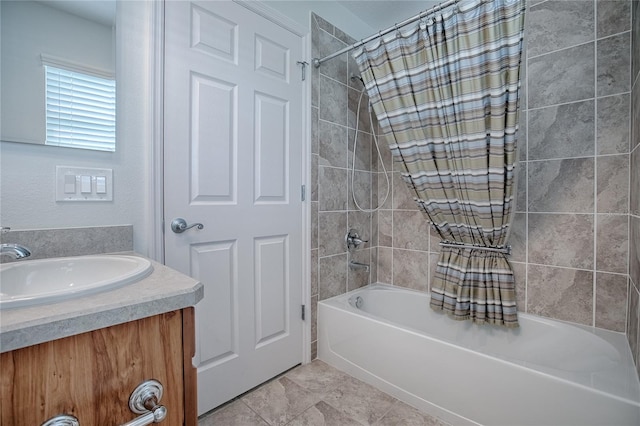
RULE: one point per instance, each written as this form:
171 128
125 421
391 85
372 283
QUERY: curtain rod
316 62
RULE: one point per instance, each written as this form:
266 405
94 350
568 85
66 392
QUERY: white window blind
80 110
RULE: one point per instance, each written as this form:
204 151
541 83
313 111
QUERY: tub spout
358 265
14 251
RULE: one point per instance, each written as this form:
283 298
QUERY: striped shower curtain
446 97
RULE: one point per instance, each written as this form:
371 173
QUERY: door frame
155 214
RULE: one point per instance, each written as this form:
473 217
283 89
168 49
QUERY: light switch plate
83 184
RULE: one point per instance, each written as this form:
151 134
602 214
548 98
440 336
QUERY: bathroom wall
333 212
633 321
27 171
571 235
571 231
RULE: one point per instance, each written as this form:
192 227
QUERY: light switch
69 184
101 184
85 184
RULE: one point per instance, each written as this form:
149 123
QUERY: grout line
573 46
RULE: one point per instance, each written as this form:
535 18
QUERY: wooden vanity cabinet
92 375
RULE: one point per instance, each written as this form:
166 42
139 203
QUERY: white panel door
233 155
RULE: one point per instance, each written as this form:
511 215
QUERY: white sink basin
33 282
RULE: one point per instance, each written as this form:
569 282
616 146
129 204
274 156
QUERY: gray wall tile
612 243
411 269
332 227
402 195
613 16
613 184
314 130
363 120
518 238
634 250
410 230
635 43
562 131
633 318
613 65
555 25
322 24
522 135
314 272
385 228
332 188
611 301
565 294
561 77
561 185
314 318
332 148
521 188
314 177
332 101
613 124
326 45
634 202
635 117
561 240
361 184
314 225
332 276
361 222
520 277
357 278
363 153
385 265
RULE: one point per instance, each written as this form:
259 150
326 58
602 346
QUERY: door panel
213 140
233 126
218 314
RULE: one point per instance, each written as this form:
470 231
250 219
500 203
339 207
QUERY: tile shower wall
572 229
333 212
633 321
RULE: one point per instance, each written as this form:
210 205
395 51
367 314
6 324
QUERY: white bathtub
544 373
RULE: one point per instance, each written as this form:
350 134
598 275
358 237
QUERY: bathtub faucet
358 265
353 240
14 251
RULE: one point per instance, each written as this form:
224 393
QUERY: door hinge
303 312
303 192
304 69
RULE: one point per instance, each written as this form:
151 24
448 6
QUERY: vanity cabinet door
92 375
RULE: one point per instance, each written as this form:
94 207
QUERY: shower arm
317 62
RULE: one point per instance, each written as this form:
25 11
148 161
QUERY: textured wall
333 112
571 231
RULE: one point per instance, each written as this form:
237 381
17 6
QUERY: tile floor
313 395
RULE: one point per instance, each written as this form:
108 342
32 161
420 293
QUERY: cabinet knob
62 420
145 400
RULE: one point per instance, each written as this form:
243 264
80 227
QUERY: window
80 110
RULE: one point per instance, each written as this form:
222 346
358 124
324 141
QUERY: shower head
356 76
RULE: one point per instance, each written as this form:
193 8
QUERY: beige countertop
164 290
